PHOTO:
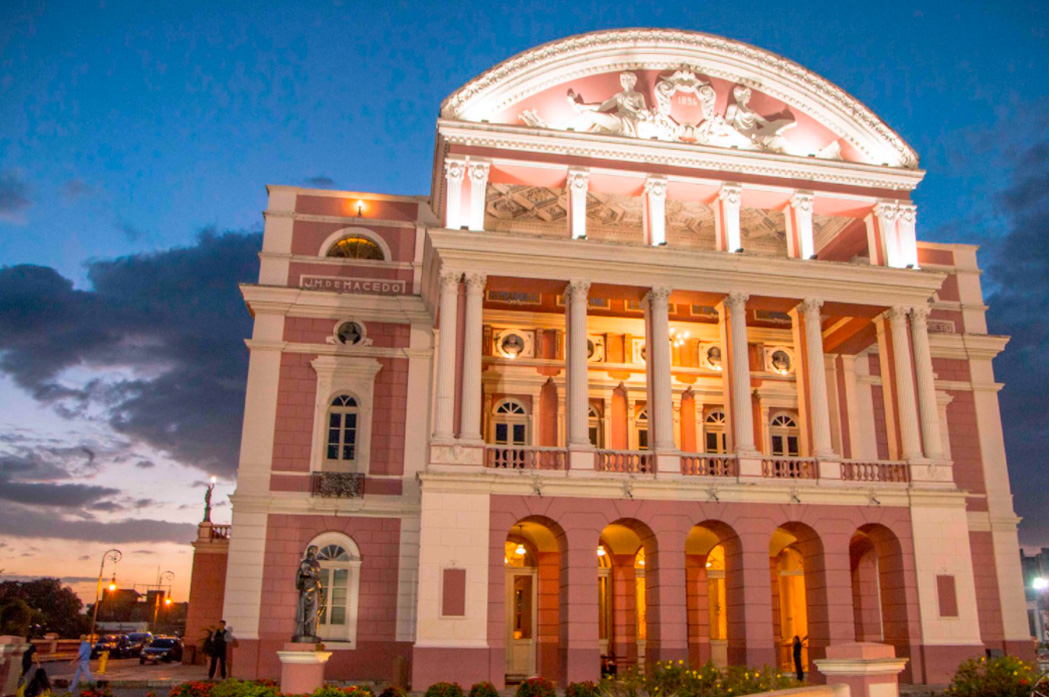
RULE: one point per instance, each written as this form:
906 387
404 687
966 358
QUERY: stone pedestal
302 668
11 650
869 669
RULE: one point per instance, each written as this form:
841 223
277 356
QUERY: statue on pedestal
207 501
308 583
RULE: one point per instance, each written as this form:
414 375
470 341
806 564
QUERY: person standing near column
83 665
218 651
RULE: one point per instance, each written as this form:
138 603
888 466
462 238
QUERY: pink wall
286 538
308 236
308 330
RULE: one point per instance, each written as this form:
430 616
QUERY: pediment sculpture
627 113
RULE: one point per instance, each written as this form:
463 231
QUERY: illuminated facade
659 370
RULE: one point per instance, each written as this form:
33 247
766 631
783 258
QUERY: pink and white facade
658 370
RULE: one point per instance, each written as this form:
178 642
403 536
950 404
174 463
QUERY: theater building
659 369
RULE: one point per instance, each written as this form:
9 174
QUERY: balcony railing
220 532
709 465
339 485
522 458
874 471
789 468
624 461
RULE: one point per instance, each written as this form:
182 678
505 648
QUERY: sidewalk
128 673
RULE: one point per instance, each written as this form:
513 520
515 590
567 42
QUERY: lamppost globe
1040 583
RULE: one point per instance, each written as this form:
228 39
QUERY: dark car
165 648
118 646
139 641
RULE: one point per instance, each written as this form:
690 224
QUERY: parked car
118 646
139 641
162 648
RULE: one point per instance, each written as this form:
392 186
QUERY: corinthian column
478 190
453 188
448 314
578 369
817 374
660 392
927 402
742 416
470 414
726 217
901 356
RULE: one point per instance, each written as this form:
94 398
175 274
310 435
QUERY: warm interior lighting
601 551
640 562
521 550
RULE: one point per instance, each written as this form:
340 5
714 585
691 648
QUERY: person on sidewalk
220 638
83 665
798 668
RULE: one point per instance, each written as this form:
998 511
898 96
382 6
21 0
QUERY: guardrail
525 458
874 471
789 468
624 461
709 465
220 532
339 485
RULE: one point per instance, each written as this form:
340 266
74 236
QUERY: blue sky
127 128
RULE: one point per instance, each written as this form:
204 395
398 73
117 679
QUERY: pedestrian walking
219 639
83 665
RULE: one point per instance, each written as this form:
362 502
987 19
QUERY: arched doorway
799 607
623 594
714 595
879 596
532 561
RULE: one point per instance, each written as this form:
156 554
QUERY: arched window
783 434
340 581
510 423
341 450
356 247
641 424
714 432
596 432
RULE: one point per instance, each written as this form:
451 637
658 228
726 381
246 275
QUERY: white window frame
511 420
636 429
719 428
337 375
346 637
785 432
596 421
334 237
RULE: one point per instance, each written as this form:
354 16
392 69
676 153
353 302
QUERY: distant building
1036 588
127 609
658 370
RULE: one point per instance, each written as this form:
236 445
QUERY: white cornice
631 49
314 303
521 256
621 148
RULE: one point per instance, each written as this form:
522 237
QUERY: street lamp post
113 555
161 577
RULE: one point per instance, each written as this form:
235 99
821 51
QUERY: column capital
802 201
475 282
450 278
888 211
478 170
736 301
578 288
578 179
810 305
908 212
658 295
920 314
454 170
731 194
897 314
656 186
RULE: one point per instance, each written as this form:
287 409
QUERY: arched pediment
688 87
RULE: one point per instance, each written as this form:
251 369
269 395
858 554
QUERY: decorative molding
587 54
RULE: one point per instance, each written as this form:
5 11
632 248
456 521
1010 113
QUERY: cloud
1018 273
14 198
145 464
75 189
132 233
58 495
25 522
321 181
166 332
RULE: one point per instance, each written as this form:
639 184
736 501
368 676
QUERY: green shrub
483 689
332 691
676 679
444 689
999 677
581 689
232 687
194 688
393 691
536 687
